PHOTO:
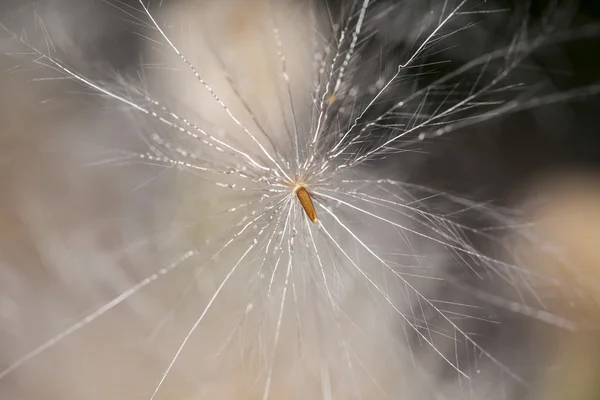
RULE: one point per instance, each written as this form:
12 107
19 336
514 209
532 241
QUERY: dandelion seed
306 202
331 300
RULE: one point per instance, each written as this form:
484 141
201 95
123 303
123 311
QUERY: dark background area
582 147
585 56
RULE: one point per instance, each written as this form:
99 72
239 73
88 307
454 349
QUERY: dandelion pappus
258 136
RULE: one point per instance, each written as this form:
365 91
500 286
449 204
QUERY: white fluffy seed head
223 288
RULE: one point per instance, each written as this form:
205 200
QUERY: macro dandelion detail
286 247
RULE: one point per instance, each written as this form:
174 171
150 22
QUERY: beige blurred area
72 237
567 230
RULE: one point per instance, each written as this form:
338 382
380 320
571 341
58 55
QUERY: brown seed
307 203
